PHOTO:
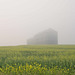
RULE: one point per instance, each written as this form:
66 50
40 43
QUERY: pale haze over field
22 19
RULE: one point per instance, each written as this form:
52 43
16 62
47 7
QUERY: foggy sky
22 19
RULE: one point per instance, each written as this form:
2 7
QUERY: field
37 60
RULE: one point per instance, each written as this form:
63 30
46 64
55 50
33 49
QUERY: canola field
37 60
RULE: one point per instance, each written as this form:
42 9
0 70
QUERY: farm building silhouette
46 37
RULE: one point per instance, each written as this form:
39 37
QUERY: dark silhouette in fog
49 36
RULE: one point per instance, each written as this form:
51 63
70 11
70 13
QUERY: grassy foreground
37 60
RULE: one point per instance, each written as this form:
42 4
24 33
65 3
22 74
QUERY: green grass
58 59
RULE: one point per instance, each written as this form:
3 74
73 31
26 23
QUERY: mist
22 19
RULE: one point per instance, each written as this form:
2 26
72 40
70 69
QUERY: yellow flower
30 66
68 69
19 67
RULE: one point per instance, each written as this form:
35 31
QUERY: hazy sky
22 19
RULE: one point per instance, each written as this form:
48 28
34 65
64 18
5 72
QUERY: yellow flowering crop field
37 60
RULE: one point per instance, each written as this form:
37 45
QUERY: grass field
37 60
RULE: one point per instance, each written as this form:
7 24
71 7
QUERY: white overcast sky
22 19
